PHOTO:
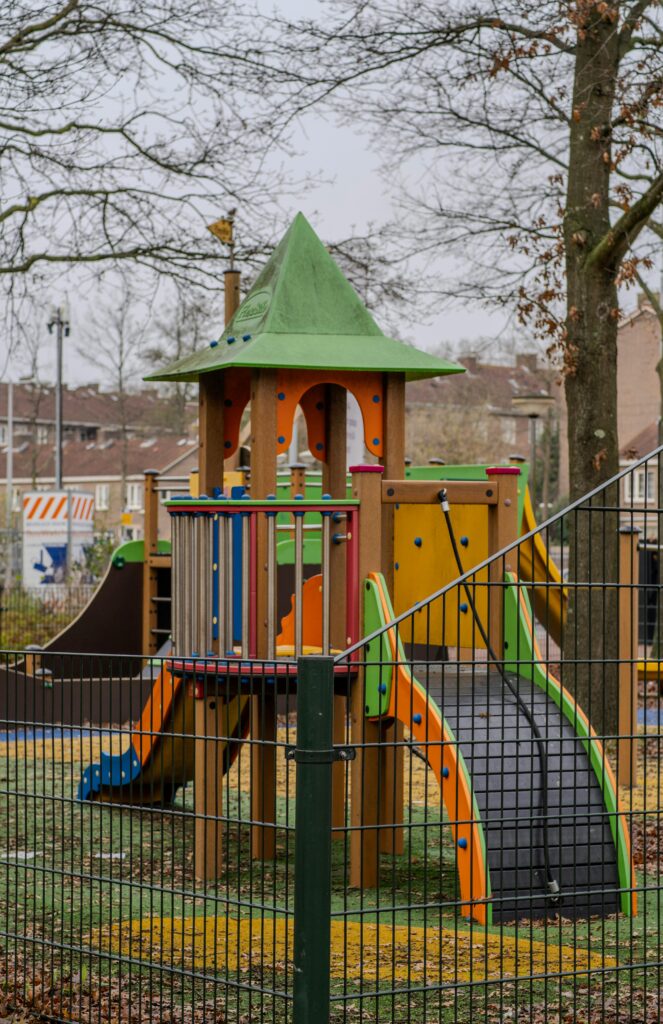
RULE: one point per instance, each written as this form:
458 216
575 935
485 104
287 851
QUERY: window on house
102 497
42 434
134 496
640 486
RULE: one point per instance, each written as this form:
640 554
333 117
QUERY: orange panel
410 704
312 622
292 385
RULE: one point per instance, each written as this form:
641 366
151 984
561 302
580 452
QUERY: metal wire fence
34 615
182 840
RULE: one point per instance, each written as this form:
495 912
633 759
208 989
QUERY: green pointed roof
303 314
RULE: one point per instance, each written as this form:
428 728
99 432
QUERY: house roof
485 384
80 459
642 444
302 313
86 406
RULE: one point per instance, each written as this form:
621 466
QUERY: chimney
527 361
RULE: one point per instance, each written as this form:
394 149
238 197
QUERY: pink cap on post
503 471
366 469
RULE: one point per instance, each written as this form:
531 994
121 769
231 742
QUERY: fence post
313 756
627 752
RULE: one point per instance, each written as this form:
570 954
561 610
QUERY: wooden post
297 479
208 789
150 548
231 290
364 810
334 482
627 750
502 531
263 711
210 432
391 754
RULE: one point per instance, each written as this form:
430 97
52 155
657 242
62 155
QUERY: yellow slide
551 597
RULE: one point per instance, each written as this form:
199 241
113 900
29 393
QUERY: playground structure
302 337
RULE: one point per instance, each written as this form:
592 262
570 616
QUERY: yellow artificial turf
373 952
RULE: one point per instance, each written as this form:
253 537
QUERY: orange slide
160 755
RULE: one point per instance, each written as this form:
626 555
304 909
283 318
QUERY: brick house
94 466
470 417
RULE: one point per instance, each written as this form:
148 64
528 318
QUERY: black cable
552 882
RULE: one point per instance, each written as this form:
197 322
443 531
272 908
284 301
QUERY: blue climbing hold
445 773
376 440
462 843
227 444
281 396
299 497
281 439
416 719
396 565
463 607
382 687
213 344
246 337
231 340
319 446
418 542
465 541
376 398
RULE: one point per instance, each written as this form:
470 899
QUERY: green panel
378 677
303 313
285 551
518 639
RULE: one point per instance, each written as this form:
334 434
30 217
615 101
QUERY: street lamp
533 407
60 321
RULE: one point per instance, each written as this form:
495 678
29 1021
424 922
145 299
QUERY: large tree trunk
591 381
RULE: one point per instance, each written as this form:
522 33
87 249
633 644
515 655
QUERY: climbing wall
424 562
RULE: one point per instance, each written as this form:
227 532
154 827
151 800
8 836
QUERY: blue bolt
319 446
246 337
376 398
445 773
376 440
465 541
382 687
326 497
231 340
416 718
281 396
216 492
463 607
396 565
271 497
227 444
462 843
213 344
299 497
418 542
281 439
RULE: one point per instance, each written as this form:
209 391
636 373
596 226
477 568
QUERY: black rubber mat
503 761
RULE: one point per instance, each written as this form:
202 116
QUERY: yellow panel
425 567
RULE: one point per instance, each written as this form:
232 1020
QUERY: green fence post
314 756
